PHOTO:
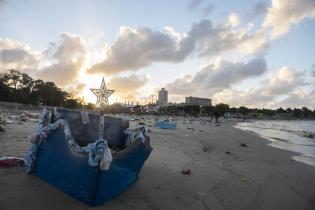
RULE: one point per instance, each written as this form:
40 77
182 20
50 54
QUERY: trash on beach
200 130
243 179
233 155
23 117
165 124
308 134
97 160
191 129
186 171
206 149
243 145
11 161
1 129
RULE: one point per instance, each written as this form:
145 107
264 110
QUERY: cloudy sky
254 53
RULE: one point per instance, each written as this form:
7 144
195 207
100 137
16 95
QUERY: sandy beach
224 175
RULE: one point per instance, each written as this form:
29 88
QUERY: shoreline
224 175
282 141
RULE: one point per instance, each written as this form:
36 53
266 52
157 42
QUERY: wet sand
224 174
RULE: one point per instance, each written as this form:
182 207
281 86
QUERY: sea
293 135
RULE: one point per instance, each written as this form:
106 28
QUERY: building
163 97
197 101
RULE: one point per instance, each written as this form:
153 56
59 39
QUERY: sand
224 175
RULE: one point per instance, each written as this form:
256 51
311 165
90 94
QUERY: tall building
198 101
163 97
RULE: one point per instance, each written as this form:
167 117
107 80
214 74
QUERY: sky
251 53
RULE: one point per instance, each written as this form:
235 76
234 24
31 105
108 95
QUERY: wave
296 136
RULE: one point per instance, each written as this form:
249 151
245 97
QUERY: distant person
225 115
216 116
211 117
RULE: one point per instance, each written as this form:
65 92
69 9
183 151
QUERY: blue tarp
165 124
69 171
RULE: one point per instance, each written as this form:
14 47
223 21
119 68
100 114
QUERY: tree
208 109
289 110
16 81
268 112
20 87
233 110
280 110
221 108
73 103
297 113
5 92
243 110
306 112
90 106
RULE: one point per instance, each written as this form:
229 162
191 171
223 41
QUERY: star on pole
102 95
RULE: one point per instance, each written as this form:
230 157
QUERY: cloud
282 14
313 70
260 8
283 81
249 98
139 47
17 55
2 2
300 98
218 81
59 63
136 48
194 3
234 19
255 99
281 88
216 77
207 10
76 89
127 87
66 58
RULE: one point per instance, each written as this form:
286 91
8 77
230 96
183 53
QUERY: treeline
224 109
21 88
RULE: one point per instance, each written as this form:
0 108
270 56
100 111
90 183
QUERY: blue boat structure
165 124
70 151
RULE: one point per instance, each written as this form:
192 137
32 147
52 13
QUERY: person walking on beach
216 116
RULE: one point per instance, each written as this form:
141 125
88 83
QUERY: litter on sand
243 145
94 168
186 172
165 124
11 161
243 179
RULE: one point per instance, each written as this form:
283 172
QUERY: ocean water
295 135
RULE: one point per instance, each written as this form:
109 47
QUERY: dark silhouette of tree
221 108
289 110
243 110
297 113
20 87
90 106
233 110
306 112
280 110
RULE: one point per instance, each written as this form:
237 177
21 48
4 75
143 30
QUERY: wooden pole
101 128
